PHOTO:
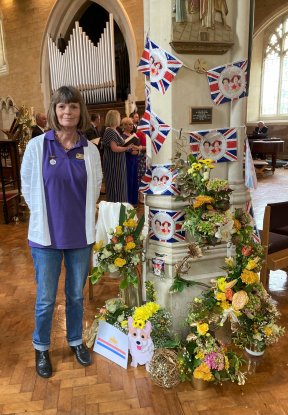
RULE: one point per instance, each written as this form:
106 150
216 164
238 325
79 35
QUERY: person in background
93 132
261 131
61 179
135 119
114 160
131 160
41 121
142 152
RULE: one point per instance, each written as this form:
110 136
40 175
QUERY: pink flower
246 250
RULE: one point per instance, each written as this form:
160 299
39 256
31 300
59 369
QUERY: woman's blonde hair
126 121
112 118
67 94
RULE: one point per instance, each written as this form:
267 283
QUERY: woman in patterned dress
114 160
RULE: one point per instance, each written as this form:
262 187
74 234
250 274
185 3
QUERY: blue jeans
47 265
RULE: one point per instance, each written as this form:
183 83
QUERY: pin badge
52 162
79 156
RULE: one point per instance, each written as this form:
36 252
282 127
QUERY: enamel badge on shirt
79 156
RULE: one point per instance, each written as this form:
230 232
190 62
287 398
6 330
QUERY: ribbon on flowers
229 312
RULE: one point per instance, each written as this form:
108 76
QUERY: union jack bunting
166 225
144 124
250 211
160 180
228 82
219 145
144 63
163 67
158 132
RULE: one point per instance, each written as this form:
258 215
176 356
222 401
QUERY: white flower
112 268
135 259
142 237
118 247
206 175
105 254
120 318
224 231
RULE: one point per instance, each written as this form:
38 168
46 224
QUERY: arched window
274 102
3 61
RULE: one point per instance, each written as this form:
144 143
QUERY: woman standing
131 160
114 160
61 179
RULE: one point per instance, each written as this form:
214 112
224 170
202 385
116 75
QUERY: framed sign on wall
201 115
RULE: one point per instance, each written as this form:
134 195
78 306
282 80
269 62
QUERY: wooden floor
105 388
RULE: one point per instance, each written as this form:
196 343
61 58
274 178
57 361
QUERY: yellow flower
200 355
237 225
119 262
267 330
227 364
202 328
229 262
138 324
249 277
98 246
203 372
118 230
201 200
252 263
131 223
220 296
225 305
129 246
221 284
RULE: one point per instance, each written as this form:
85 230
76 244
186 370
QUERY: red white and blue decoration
250 211
219 145
158 65
144 124
228 82
166 225
250 173
158 132
160 179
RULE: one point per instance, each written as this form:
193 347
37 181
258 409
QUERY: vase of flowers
121 256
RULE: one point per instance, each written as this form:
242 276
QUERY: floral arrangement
116 313
207 216
205 357
122 253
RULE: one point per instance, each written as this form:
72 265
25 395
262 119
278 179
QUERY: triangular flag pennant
160 179
228 82
219 145
158 132
158 65
250 174
144 124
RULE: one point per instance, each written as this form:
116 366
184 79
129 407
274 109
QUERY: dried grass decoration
164 368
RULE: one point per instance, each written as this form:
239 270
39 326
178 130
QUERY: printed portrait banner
158 267
112 343
158 65
218 145
166 225
158 132
160 180
228 82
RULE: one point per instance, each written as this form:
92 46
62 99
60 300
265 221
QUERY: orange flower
229 294
129 238
114 239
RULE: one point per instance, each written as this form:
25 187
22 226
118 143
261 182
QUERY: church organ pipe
85 66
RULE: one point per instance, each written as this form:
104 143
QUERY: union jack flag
163 67
144 124
160 179
219 145
158 132
250 211
144 63
175 218
228 82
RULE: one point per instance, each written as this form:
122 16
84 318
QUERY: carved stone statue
208 10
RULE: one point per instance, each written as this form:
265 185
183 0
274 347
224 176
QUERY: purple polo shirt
65 183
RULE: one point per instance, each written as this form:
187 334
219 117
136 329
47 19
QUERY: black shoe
82 355
43 364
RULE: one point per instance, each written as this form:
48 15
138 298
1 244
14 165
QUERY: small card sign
112 343
201 115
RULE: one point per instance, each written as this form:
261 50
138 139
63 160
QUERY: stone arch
270 19
61 16
8 111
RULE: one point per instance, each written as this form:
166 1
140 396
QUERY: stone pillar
190 89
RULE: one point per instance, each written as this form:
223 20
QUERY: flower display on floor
205 357
122 253
116 313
